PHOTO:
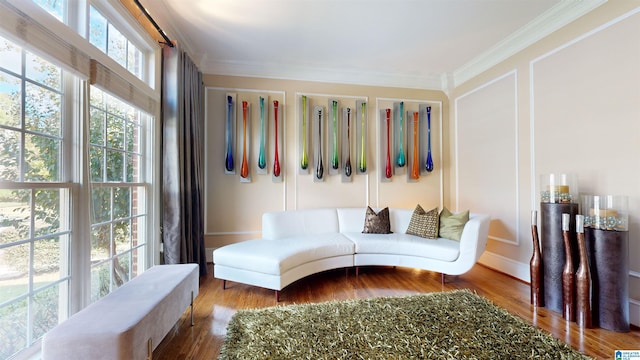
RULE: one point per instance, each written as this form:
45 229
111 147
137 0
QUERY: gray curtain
182 160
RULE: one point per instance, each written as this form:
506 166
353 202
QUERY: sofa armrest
474 238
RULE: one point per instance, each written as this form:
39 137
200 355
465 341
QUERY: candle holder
607 238
558 188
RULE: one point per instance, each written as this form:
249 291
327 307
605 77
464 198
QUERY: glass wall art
304 135
361 137
319 141
277 143
230 133
333 139
246 143
347 169
263 131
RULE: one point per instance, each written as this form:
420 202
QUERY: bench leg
357 271
224 284
442 277
149 349
277 296
192 323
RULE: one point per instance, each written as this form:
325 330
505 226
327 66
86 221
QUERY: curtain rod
160 31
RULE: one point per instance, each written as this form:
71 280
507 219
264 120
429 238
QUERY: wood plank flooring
214 306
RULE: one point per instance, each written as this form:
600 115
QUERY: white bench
129 322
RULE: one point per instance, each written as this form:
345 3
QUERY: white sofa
299 243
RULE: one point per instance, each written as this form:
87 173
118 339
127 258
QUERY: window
118 214
68 236
34 203
106 37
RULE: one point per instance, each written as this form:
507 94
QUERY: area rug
449 325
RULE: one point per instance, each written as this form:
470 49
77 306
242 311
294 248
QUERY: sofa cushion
278 256
284 224
377 223
451 225
424 223
405 244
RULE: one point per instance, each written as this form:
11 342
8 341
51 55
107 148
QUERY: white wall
569 104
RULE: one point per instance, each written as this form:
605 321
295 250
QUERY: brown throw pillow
424 223
377 223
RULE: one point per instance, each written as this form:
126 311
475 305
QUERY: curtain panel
182 160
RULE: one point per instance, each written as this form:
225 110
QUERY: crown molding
316 74
553 19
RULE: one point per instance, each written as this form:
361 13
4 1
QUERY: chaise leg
224 284
442 276
277 296
357 271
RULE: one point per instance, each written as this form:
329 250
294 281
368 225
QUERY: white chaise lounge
129 322
299 243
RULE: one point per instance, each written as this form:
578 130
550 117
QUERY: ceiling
424 44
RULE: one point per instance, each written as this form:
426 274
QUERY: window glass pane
42 158
97 29
132 137
15 271
117 46
45 310
15 215
10 99
43 110
115 165
96 154
134 61
121 266
101 205
48 257
53 7
100 281
10 56
100 242
96 127
122 235
121 202
42 71
115 132
13 328
47 212
9 155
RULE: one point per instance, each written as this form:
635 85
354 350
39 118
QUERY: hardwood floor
214 306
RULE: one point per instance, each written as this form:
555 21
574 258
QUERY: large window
76 164
34 203
118 214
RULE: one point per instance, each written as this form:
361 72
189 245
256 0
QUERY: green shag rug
449 325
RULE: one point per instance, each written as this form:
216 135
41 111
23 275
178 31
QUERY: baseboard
506 265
